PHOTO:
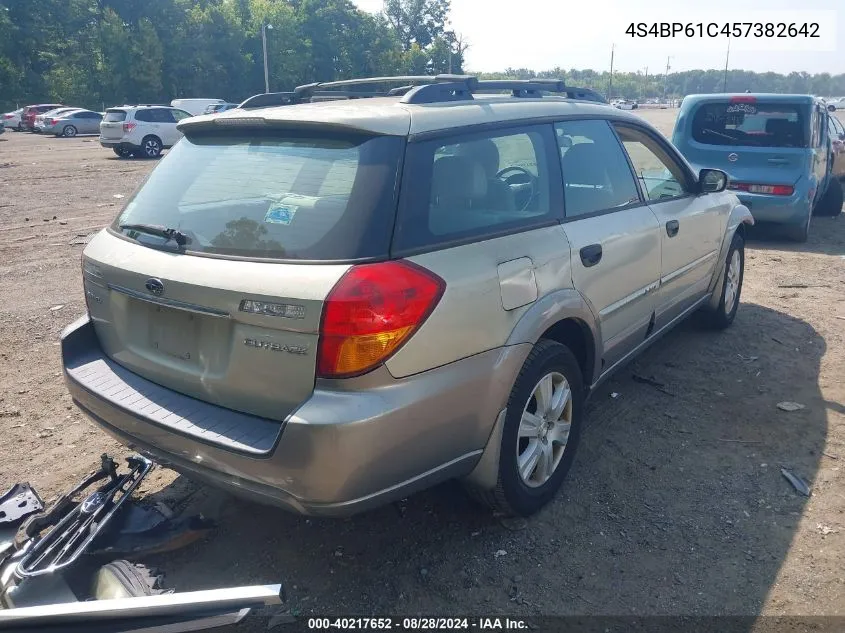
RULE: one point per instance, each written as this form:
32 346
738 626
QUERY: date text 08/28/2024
417 624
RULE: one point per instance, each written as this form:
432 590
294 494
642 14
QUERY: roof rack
419 89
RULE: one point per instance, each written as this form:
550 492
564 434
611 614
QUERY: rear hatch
754 141
269 223
111 127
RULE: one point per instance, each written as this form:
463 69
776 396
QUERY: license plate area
173 333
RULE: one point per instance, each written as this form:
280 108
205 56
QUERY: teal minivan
775 149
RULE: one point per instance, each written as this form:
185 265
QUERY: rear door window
282 195
146 116
475 186
751 123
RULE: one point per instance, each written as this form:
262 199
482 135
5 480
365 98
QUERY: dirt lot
675 504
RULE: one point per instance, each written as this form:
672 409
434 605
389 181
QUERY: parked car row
56 119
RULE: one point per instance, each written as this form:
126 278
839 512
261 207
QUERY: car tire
151 147
122 152
69 131
830 204
731 285
799 233
519 492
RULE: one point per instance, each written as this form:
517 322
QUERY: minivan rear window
277 195
752 124
114 116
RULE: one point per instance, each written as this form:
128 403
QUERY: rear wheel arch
566 317
577 336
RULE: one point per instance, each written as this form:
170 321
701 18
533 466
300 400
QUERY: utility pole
264 28
727 57
610 81
666 78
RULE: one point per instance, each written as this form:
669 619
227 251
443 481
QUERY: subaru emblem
155 286
94 501
733 157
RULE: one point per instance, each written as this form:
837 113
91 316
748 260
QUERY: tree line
639 85
97 53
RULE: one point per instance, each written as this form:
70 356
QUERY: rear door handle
778 161
672 228
591 255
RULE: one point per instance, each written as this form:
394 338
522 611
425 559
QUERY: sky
542 34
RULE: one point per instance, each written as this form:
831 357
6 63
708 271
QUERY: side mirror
712 180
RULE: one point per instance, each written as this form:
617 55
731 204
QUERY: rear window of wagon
278 195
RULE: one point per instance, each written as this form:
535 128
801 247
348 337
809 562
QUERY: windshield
751 124
279 196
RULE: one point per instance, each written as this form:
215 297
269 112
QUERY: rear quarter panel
470 317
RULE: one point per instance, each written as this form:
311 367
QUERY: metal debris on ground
499 553
647 381
19 502
799 484
514 524
790 406
81 239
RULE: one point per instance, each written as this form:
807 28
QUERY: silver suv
141 130
328 306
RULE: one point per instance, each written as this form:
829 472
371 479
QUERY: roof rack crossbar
306 90
439 93
524 87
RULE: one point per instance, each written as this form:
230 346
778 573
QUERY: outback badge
276 347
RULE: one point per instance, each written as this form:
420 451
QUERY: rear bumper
117 142
789 210
351 446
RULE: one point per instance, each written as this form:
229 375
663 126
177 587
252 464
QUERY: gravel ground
675 503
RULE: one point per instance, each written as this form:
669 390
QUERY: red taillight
54 121
128 127
774 190
370 313
8 116
744 99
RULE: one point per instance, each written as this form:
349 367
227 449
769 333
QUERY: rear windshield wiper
160 231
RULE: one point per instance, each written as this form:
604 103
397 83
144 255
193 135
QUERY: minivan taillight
370 313
774 190
128 127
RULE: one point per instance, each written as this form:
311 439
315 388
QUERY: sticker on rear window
280 214
747 108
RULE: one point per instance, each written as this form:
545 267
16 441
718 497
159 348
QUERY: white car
141 130
195 106
835 104
625 104
13 119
